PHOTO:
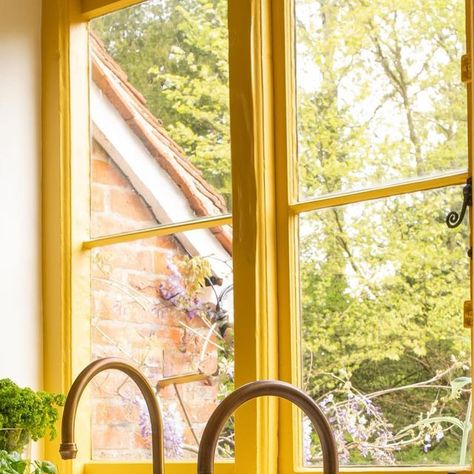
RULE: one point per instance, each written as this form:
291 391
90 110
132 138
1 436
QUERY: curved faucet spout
262 388
68 448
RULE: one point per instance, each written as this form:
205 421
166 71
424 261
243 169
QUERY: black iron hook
454 219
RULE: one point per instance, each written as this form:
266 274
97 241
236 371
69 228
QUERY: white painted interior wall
20 212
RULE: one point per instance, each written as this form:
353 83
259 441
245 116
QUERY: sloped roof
203 199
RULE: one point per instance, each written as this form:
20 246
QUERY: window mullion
287 227
253 221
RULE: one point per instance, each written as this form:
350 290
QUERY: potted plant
12 463
25 415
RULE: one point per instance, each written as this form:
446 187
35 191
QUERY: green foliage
35 413
11 463
372 110
43 467
383 283
194 272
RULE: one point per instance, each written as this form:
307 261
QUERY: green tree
382 282
175 52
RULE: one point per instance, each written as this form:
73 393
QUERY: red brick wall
131 319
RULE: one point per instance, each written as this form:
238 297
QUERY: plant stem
465 432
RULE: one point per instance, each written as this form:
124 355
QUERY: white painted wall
20 160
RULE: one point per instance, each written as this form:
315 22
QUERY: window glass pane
159 115
384 350
379 94
165 304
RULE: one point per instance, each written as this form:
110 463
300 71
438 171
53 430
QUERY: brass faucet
262 388
68 448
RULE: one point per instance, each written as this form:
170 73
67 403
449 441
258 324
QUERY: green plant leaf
457 385
48 467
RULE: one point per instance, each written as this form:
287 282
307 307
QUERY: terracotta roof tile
203 199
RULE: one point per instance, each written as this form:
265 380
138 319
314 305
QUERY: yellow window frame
264 221
66 215
289 208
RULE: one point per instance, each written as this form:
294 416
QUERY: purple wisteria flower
434 434
427 442
173 428
306 440
358 424
173 432
175 292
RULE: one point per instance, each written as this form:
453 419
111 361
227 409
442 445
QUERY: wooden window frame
66 222
289 208
265 214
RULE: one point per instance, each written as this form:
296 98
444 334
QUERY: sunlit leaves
175 53
379 93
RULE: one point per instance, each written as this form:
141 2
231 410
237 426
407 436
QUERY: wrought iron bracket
454 219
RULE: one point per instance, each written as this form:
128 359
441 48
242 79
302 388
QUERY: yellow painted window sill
145 467
229 468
